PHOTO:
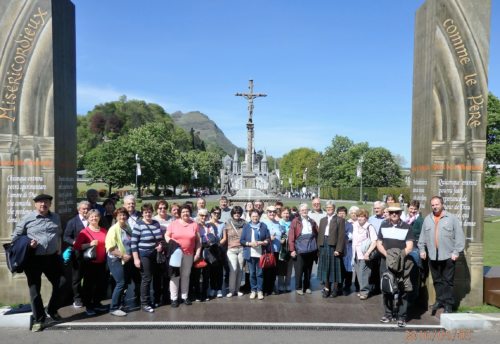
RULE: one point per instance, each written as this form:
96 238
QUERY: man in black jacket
73 228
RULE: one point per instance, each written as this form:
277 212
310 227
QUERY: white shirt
327 229
306 226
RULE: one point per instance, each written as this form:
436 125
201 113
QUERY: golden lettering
470 80
15 72
41 15
475 104
4 115
464 61
29 32
457 42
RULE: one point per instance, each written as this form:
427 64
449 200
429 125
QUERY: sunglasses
272 211
394 212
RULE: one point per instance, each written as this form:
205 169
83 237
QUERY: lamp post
360 175
319 179
138 174
290 182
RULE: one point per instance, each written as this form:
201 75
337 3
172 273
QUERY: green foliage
491 240
341 159
111 162
492 138
492 198
294 164
353 193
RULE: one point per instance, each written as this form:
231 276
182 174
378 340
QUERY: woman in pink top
185 232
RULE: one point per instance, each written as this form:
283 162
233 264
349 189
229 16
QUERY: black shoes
435 307
448 309
326 293
174 304
187 302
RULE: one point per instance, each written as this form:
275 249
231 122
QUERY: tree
112 163
294 164
492 139
380 168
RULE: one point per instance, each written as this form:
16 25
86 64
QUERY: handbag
306 243
160 256
89 253
267 260
284 254
200 264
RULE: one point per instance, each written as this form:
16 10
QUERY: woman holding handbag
276 232
146 244
303 248
254 239
92 238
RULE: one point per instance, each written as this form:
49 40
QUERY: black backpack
388 283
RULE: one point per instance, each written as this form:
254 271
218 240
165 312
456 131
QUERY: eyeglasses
160 208
316 203
271 211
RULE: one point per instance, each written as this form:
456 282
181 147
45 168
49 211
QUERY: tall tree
492 139
294 164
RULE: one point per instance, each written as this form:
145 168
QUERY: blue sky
329 67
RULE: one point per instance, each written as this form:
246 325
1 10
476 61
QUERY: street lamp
319 179
138 174
360 175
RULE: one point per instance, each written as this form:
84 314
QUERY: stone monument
37 117
249 179
450 92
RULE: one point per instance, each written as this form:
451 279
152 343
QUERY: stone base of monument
250 195
492 286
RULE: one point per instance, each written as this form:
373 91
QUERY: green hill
208 131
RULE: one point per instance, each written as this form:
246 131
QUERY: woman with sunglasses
276 232
232 236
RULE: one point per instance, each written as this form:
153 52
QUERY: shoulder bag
90 253
267 259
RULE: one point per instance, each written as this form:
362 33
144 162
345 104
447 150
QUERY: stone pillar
449 123
37 117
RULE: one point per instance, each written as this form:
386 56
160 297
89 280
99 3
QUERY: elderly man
43 227
92 196
378 217
73 228
133 215
200 204
225 209
316 213
443 237
394 234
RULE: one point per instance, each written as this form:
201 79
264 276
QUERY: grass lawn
492 241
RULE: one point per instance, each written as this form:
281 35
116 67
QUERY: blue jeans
118 272
256 275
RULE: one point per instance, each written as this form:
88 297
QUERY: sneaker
37 327
253 295
326 292
229 295
308 291
240 293
90 312
197 300
118 313
78 304
363 297
219 293
401 323
174 304
260 295
300 292
148 309
187 302
385 319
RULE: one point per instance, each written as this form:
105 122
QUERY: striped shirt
145 237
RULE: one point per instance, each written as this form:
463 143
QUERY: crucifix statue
250 136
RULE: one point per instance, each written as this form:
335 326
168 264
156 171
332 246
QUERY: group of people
176 255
